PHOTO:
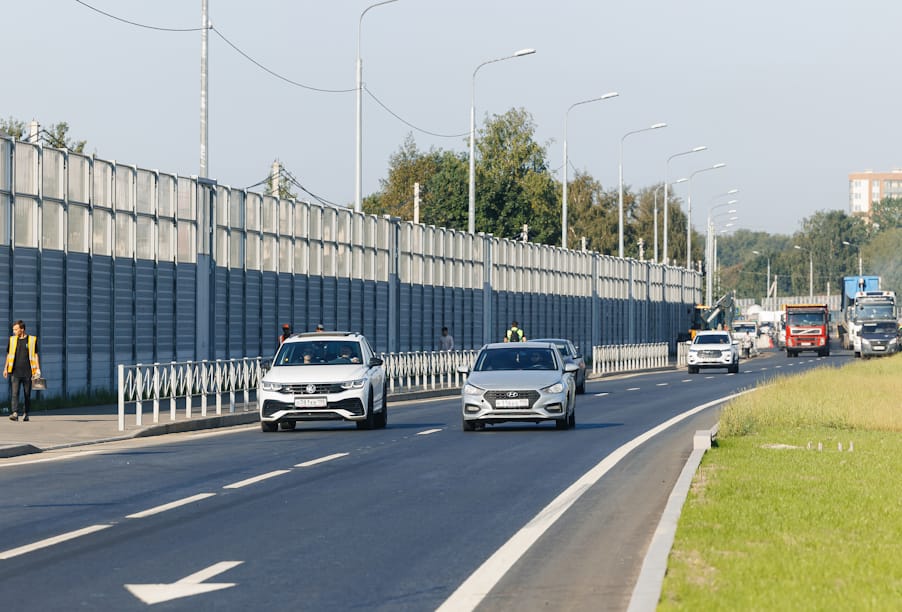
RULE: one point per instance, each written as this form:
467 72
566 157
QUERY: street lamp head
720 165
755 252
732 191
847 243
609 95
682 180
697 149
795 246
657 125
523 52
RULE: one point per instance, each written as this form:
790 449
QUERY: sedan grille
493 398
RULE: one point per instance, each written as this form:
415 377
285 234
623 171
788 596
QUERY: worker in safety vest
514 334
21 366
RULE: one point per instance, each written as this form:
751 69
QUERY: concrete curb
647 591
16 450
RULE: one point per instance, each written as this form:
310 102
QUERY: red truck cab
806 329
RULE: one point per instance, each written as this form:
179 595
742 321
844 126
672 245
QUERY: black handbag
38 383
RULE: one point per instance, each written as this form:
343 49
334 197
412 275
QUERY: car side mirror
266 364
571 367
375 361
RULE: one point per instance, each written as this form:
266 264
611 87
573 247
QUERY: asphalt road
327 517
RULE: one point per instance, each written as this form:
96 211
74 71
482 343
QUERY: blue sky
792 96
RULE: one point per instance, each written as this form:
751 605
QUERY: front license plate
310 402
512 403
879 348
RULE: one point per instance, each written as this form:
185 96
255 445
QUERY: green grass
773 525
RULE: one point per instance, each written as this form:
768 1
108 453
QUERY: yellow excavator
717 316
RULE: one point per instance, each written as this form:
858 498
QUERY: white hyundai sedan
519 381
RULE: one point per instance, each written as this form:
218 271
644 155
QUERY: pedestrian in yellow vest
21 366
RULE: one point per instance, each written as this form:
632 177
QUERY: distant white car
713 349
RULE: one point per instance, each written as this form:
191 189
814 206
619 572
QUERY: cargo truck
806 329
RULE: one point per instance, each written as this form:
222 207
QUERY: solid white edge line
322 460
46 459
255 479
164 507
427 432
21 550
474 589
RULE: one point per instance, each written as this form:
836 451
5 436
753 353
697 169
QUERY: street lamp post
471 212
358 175
657 189
620 174
810 270
857 246
607 96
689 213
767 292
666 179
710 249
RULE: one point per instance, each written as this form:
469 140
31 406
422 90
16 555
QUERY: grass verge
771 522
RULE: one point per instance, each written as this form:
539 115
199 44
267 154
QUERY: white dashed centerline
662 384
176 504
602 394
428 431
21 550
321 460
255 479
633 389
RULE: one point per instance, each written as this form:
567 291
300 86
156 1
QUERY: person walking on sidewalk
21 366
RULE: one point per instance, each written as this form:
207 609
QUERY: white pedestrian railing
184 381
683 354
426 370
628 357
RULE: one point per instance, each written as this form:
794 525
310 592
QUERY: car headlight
271 386
354 384
555 388
893 341
472 390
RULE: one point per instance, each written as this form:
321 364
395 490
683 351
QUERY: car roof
325 335
712 332
529 343
550 340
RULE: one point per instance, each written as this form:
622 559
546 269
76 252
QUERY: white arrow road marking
255 479
428 431
322 460
21 550
186 587
170 505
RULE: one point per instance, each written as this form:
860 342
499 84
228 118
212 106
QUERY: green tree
881 256
513 184
13 127
887 214
57 136
592 214
822 237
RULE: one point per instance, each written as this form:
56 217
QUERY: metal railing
157 382
426 370
628 357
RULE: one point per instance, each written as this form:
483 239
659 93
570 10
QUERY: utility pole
274 178
204 58
416 202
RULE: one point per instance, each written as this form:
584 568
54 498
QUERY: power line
136 24
407 123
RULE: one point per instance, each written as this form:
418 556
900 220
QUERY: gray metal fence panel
165 312
77 327
144 305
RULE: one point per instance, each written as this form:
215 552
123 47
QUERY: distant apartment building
869 187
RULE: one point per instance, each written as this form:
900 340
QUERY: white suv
713 349
324 376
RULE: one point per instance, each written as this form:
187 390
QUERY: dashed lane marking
321 460
176 504
21 550
428 431
662 384
633 389
255 479
602 394
686 380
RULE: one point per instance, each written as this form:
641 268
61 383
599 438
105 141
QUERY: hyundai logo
310 389
513 394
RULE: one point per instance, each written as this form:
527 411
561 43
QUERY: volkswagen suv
324 376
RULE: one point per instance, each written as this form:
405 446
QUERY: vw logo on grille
513 394
310 389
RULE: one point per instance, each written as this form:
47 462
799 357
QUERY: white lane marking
21 550
428 431
686 380
255 479
176 504
45 459
633 389
708 377
469 594
322 460
186 587
602 394
662 384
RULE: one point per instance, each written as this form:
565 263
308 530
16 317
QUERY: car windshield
318 353
712 339
560 345
883 327
491 360
806 318
744 329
